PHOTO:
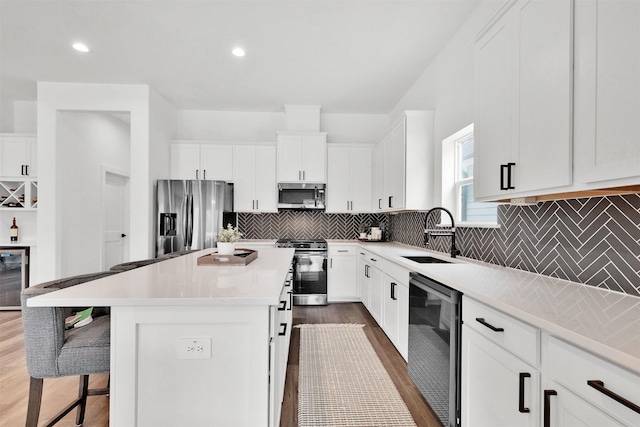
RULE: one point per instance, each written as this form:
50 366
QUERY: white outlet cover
194 348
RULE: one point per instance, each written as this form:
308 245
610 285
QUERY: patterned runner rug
342 382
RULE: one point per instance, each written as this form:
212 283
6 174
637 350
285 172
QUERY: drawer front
573 368
518 337
342 250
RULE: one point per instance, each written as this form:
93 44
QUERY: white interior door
115 219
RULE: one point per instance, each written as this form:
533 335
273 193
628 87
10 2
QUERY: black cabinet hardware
283 306
204 174
366 271
507 168
290 301
599 385
390 201
342 250
284 329
123 235
379 203
488 325
547 406
393 291
521 406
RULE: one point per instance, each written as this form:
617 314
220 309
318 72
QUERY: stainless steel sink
426 260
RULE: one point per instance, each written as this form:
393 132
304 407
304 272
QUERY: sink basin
426 260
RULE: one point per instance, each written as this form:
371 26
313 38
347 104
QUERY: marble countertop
180 281
604 322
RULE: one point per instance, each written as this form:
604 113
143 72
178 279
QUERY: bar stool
52 352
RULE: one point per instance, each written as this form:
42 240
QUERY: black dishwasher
435 320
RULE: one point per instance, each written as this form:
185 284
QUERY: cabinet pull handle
197 174
509 186
347 205
283 305
373 260
393 291
342 250
284 329
290 301
26 167
366 271
204 174
379 203
253 204
521 406
304 175
599 385
331 263
488 325
257 204
361 253
502 169
547 406
390 199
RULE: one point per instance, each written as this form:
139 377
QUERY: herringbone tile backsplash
593 240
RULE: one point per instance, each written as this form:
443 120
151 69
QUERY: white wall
447 86
97 139
56 97
262 126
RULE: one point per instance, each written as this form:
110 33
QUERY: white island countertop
181 282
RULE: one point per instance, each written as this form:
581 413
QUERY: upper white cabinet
607 92
349 179
523 122
18 155
302 157
403 164
202 161
254 178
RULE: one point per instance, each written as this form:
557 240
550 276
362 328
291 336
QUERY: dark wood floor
391 359
14 378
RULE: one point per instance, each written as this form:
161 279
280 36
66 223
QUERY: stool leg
83 392
35 399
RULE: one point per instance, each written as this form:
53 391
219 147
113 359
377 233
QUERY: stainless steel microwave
301 196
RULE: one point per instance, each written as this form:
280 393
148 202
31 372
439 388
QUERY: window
457 181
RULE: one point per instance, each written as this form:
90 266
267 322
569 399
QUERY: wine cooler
14 275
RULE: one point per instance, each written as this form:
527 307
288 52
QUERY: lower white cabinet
396 313
343 285
279 339
581 388
498 389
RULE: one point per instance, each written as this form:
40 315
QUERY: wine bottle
13 231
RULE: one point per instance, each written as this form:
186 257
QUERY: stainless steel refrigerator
190 213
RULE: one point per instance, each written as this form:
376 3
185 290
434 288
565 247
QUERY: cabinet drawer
573 367
342 250
518 337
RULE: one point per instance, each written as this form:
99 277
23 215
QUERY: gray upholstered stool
125 266
52 351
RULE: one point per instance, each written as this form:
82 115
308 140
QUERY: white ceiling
357 56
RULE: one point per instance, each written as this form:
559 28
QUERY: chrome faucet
438 233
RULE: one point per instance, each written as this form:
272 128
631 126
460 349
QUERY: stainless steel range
309 270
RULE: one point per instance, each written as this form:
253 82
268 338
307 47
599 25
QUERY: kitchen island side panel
154 386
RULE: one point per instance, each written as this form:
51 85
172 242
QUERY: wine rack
18 194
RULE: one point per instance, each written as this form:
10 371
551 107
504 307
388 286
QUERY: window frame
452 183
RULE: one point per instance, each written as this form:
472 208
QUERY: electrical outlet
194 348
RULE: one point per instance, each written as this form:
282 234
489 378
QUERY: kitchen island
194 344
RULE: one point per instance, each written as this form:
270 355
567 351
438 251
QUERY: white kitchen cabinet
607 92
202 161
396 306
280 338
349 171
523 125
254 178
302 157
342 282
404 157
498 389
568 410
569 371
363 277
18 155
376 290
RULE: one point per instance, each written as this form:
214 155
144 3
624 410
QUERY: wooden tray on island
240 257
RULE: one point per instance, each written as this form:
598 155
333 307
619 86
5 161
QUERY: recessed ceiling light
81 47
238 51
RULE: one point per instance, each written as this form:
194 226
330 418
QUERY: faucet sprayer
439 233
